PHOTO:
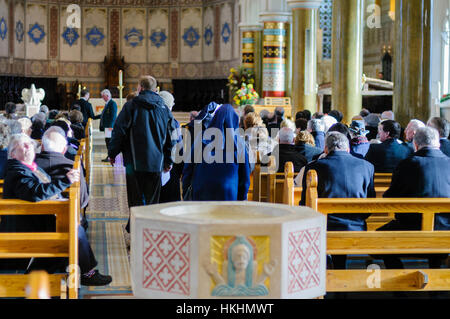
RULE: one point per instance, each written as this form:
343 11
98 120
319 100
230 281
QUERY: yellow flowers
241 82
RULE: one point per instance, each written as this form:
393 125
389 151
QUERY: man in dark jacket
443 127
387 155
85 107
143 133
426 174
25 180
341 175
288 152
108 117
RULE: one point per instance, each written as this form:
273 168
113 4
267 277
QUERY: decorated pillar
251 53
274 54
304 60
412 80
347 57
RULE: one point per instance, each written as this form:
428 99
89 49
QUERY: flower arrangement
239 76
246 95
445 98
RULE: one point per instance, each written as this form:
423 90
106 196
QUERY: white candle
120 77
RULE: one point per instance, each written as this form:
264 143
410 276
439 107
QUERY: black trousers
143 188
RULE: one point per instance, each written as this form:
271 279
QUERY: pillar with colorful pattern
274 59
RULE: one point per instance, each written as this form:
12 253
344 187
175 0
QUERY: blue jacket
341 175
319 138
445 146
225 181
387 155
426 174
143 133
308 151
109 115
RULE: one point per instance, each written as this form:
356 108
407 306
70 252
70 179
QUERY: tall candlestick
79 91
120 78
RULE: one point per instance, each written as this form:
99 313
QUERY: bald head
54 141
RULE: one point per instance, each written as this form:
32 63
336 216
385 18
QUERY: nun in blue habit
223 171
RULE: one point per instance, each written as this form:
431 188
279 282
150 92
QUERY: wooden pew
425 241
62 243
280 186
260 178
88 151
382 182
38 285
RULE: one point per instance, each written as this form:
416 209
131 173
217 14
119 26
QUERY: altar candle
120 78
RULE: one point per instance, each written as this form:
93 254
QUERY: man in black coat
341 175
443 127
143 133
387 155
426 174
25 180
86 107
288 152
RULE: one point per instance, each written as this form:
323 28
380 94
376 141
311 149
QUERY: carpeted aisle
107 212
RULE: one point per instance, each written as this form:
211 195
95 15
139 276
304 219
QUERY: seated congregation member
170 192
305 144
426 174
143 134
317 128
52 160
72 144
10 111
341 175
337 115
372 121
76 120
410 131
4 141
247 109
256 138
443 127
387 155
37 129
328 121
288 152
341 128
25 180
221 175
359 144
26 124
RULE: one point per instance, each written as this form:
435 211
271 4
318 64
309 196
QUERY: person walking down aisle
108 117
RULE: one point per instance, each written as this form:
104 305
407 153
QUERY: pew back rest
62 243
424 241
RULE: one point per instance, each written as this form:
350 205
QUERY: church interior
311 56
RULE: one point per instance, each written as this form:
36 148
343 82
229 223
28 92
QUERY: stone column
347 57
274 53
304 61
412 81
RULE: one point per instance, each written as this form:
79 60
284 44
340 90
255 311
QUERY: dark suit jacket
341 175
445 146
21 183
387 155
289 153
109 115
57 166
86 109
426 174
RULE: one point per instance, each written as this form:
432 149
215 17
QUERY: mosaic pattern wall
190 39
325 24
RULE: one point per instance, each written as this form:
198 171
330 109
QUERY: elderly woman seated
26 181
